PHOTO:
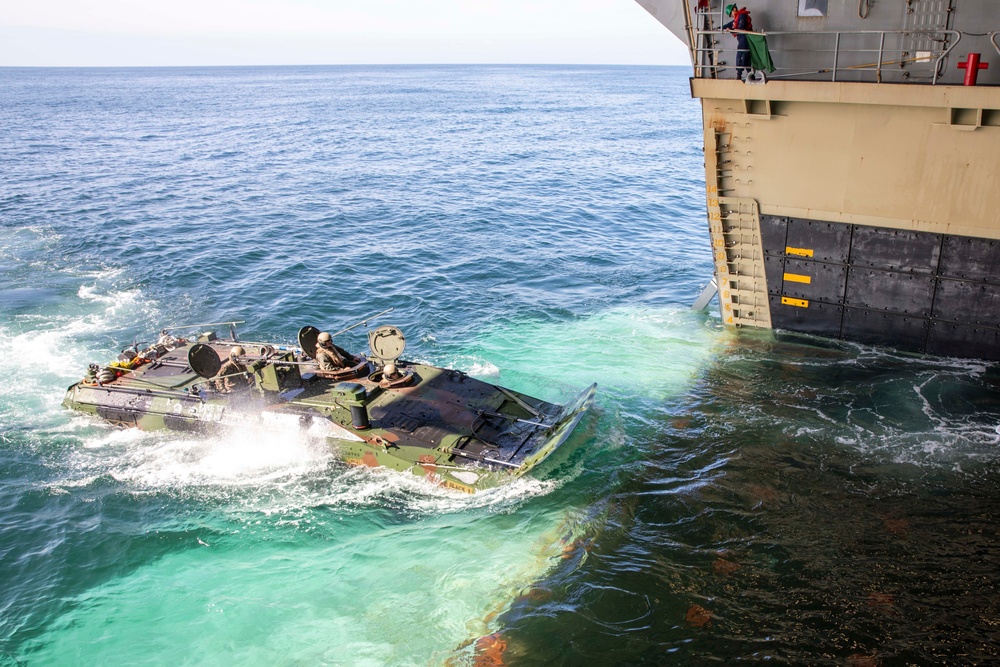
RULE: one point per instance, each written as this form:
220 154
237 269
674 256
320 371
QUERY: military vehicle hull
439 424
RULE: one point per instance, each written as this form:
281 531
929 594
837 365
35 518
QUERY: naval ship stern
853 192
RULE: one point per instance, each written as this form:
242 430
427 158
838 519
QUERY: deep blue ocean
732 497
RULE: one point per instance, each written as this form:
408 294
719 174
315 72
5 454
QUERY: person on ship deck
740 21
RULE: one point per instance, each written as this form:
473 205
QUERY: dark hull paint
914 291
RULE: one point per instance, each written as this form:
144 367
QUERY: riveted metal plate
890 291
895 250
819 318
972 303
881 328
825 281
773 229
961 340
828 241
970 259
774 269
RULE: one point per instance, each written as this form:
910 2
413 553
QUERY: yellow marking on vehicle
798 278
459 487
789 301
801 252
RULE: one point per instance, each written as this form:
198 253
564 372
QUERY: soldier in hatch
328 356
228 378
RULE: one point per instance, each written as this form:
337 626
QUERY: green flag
760 58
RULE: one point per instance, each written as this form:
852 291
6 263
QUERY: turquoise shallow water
727 498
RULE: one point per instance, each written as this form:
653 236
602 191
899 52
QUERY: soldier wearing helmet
228 378
328 356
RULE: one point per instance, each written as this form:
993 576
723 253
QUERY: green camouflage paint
441 424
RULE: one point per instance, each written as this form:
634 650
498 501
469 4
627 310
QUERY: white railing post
944 54
836 55
881 48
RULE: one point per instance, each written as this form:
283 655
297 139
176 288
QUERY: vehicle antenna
231 323
364 322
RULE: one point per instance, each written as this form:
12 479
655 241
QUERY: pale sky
318 32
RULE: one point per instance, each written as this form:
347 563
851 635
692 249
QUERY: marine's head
324 338
389 371
236 351
730 9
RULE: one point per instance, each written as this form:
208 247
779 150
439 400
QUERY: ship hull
857 212
851 179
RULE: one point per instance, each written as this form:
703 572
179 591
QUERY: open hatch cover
387 343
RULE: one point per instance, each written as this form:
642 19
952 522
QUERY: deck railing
839 55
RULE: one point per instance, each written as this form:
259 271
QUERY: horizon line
428 64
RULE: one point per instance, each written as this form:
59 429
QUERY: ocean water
729 498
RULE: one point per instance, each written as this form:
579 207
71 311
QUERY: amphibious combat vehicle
440 424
